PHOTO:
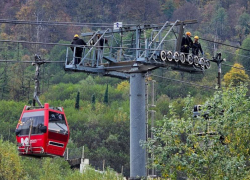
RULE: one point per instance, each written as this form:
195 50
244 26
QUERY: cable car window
34 118
57 123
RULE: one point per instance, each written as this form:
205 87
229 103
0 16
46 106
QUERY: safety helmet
196 37
76 35
188 33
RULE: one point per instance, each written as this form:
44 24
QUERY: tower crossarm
129 49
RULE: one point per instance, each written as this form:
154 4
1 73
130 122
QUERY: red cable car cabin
42 132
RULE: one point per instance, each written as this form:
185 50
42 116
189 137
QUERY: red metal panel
46 123
57 137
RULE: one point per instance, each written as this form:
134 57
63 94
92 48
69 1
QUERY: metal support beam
137 125
38 62
133 28
137 42
162 40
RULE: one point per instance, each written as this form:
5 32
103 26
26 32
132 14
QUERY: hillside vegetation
103 126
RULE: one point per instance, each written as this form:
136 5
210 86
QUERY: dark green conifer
77 100
93 101
106 96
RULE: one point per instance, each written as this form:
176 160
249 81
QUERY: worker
78 51
102 41
186 43
196 47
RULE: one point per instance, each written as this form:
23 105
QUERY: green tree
10 112
50 170
215 147
11 166
243 27
245 53
219 23
168 8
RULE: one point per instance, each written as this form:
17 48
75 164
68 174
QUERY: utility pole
137 119
147 110
219 73
137 125
152 113
152 119
217 59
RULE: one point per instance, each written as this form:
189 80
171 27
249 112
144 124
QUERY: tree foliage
212 146
11 166
236 76
243 26
244 54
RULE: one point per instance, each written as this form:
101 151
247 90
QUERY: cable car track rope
185 82
55 23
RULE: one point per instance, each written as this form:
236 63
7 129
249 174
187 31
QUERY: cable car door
58 133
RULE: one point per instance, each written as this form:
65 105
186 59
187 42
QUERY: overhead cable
57 23
216 42
185 82
236 67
